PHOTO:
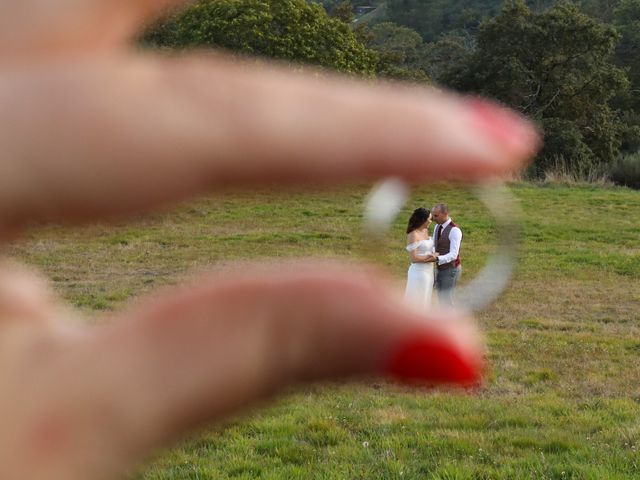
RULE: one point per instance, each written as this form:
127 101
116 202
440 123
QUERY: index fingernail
507 128
424 359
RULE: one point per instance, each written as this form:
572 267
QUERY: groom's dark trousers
446 283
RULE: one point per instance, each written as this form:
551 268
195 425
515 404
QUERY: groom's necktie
438 232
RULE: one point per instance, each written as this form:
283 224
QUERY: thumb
196 355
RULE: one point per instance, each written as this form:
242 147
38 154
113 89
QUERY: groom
447 238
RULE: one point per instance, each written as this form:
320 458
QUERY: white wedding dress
420 276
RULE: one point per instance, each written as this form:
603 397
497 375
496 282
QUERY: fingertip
423 359
510 132
443 348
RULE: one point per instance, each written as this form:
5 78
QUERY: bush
564 149
626 170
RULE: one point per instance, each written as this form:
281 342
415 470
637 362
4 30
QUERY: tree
432 18
399 51
447 57
601 9
627 21
343 11
555 66
292 30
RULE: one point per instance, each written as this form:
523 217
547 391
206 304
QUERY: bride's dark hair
418 217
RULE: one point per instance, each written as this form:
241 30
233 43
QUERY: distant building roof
363 10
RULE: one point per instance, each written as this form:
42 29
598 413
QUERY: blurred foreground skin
88 130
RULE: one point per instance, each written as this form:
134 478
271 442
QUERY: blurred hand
431 258
90 129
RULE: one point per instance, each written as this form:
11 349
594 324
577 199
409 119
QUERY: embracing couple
442 250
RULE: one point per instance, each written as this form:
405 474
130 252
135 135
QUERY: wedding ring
387 199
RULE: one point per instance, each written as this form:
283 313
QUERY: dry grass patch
389 415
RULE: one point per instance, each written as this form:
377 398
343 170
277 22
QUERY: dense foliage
571 66
400 51
627 20
626 170
292 30
557 67
432 18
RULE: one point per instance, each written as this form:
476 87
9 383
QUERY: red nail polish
505 126
424 359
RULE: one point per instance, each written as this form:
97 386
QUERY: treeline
572 67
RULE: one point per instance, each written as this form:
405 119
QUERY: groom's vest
444 246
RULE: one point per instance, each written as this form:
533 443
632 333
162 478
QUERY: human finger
197 355
25 296
123 134
36 28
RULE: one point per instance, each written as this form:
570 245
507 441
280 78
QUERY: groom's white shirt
455 238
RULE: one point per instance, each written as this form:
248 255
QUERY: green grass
562 400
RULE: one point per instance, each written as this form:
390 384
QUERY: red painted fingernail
424 359
505 126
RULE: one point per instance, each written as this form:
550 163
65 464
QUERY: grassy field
563 396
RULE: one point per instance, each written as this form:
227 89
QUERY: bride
420 247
